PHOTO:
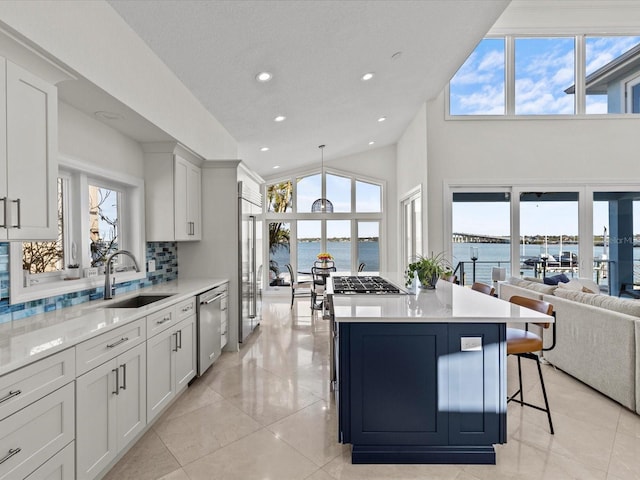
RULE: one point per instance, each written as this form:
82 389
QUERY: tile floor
267 413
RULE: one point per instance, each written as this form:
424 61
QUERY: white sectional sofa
597 337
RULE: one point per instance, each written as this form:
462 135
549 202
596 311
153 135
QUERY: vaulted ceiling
317 52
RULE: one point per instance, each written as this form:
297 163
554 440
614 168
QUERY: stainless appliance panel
250 268
211 307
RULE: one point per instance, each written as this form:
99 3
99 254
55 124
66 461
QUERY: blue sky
544 68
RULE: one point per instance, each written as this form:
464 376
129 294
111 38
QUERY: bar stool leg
544 394
520 381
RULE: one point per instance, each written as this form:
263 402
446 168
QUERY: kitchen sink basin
136 302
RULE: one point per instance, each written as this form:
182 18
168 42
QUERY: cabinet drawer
34 434
160 321
26 385
59 467
186 308
104 347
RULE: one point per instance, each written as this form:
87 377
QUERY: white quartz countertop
449 303
26 340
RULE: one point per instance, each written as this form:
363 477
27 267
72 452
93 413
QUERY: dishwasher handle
211 300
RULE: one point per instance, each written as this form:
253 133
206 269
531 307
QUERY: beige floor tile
258 456
625 459
205 430
198 395
629 423
313 431
273 399
148 459
176 475
320 475
237 379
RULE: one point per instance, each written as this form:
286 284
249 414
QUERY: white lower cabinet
31 436
59 467
110 411
171 364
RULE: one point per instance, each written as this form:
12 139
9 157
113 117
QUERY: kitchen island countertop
448 303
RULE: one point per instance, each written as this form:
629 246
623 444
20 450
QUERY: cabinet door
96 420
194 211
181 192
59 467
32 166
160 371
3 150
132 395
185 356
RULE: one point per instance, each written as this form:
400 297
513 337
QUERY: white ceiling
317 52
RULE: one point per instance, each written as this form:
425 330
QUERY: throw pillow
573 284
554 280
586 290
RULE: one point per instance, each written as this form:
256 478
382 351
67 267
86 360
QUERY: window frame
294 215
579 77
81 174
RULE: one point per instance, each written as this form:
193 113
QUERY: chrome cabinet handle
117 371
164 320
186 309
17 202
176 349
6 213
124 376
179 333
9 395
122 340
12 452
213 299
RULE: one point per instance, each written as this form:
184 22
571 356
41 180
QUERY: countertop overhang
447 303
29 339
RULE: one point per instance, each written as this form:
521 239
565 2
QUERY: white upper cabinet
173 187
28 155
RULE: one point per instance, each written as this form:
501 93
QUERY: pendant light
322 205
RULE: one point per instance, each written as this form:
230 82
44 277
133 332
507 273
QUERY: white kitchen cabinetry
171 364
59 467
111 409
28 155
29 437
173 193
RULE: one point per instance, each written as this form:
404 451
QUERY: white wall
90 38
411 167
82 137
539 151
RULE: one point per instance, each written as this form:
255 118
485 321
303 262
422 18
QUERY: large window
537 75
98 213
351 233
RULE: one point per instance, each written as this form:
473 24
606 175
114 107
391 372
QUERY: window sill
20 294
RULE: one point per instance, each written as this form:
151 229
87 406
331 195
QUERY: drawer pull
12 452
186 309
122 340
164 320
176 334
9 395
180 337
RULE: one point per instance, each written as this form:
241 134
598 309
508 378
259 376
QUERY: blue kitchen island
422 378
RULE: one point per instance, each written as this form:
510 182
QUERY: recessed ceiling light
382 119
371 142
264 149
276 166
279 118
264 77
104 115
367 76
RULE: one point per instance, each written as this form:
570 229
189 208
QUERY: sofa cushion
620 305
534 286
573 284
555 279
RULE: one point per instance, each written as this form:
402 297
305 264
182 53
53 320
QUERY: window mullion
510 76
580 74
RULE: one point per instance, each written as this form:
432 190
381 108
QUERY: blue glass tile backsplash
164 253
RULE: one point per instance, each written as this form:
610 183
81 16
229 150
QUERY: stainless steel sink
139 301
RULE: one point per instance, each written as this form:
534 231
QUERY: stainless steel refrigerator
250 268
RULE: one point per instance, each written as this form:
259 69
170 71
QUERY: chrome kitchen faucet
107 271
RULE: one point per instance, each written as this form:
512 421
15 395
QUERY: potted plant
73 271
427 269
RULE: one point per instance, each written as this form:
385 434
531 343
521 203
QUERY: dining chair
483 288
297 285
319 280
524 344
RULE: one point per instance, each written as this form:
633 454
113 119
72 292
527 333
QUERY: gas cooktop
353 285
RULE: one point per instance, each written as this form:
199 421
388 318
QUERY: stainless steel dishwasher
212 322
